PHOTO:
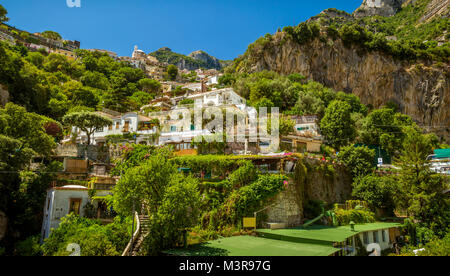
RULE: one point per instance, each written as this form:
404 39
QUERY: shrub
94 239
378 192
359 160
249 199
344 217
28 247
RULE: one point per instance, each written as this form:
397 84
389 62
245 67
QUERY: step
276 225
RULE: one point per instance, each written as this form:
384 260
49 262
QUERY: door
75 205
126 127
301 147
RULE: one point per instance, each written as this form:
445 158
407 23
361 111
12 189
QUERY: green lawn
253 246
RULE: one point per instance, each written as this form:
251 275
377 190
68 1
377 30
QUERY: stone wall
94 152
312 180
287 207
327 182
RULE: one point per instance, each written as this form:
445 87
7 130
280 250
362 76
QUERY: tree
383 127
172 72
36 58
89 122
27 128
149 85
353 101
178 212
359 160
377 191
227 80
22 192
421 190
3 13
264 102
144 184
337 124
95 79
286 125
141 98
52 35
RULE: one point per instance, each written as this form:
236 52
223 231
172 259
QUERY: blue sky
222 28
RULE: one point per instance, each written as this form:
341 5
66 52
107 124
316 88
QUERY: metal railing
134 237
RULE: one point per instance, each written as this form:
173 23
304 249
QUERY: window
264 144
192 127
100 129
375 237
173 129
117 125
365 238
383 235
75 204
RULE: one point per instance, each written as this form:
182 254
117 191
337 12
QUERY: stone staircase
134 246
143 232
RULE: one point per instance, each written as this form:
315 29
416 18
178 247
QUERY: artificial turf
253 246
322 234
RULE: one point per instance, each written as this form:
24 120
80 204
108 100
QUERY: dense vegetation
94 238
24 135
209 195
403 36
52 85
213 196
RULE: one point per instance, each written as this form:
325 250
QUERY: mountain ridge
195 60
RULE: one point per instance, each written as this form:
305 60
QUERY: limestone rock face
194 61
421 91
379 7
209 61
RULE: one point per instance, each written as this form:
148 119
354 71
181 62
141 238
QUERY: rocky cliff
419 86
421 91
379 7
207 60
195 60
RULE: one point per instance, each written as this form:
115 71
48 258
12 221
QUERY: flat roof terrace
253 246
324 235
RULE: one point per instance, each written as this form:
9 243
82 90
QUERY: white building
306 125
213 80
62 201
219 97
172 132
128 123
